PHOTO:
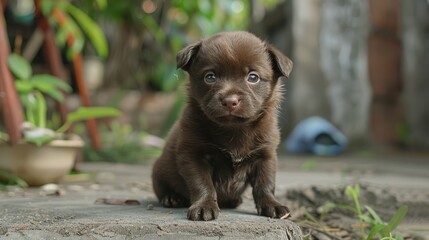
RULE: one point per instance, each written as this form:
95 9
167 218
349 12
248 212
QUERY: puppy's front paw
203 211
273 209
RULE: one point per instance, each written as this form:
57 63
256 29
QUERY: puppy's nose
231 102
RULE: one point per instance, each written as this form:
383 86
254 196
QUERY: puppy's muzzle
230 102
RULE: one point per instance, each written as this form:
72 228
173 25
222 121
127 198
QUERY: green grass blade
375 230
311 218
397 218
374 214
368 220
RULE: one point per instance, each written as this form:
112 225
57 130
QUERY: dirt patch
340 223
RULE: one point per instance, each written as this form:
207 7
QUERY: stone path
71 212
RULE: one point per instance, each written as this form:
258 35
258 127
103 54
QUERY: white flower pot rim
58 143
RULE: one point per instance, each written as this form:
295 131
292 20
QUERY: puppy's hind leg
166 194
174 200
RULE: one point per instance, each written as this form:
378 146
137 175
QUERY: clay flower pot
40 165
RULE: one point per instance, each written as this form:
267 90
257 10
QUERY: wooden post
52 53
11 107
78 71
56 67
385 72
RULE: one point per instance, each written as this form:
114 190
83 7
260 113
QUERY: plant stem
64 127
41 109
30 115
359 213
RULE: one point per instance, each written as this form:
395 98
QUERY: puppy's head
234 76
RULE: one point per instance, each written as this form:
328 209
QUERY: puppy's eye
253 78
210 78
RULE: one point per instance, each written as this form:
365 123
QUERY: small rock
49 189
150 206
60 192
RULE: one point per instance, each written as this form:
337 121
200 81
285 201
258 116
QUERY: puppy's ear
281 64
185 56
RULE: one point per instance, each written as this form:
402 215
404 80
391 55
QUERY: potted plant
45 154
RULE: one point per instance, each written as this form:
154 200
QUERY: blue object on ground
317 136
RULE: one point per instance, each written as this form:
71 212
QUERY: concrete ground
73 214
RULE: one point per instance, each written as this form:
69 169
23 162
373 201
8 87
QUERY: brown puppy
227 135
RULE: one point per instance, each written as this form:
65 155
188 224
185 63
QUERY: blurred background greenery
355 64
158 30
139 72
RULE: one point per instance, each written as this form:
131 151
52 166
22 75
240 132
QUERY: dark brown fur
227 135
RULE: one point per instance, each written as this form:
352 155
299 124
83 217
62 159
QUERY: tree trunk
9 101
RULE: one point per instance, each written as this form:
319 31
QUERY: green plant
378 226
72 25
370 223
382 228
32 90
353 193
7 178
162 28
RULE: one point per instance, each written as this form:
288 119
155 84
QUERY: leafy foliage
164 27
19 67
83 113
75 25
31 90
7 178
